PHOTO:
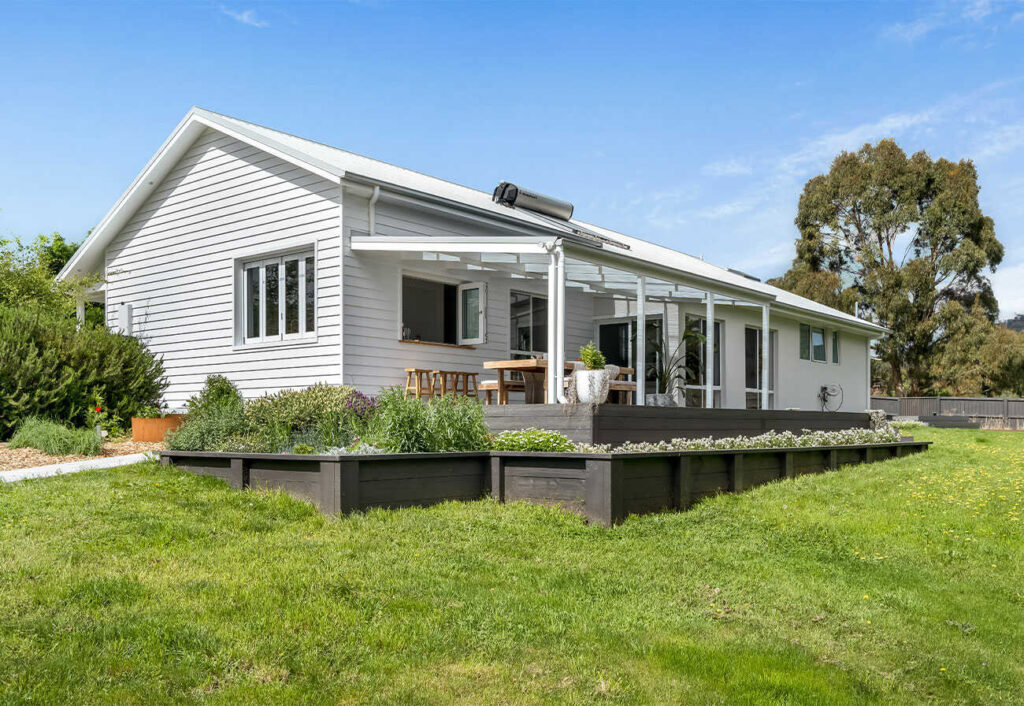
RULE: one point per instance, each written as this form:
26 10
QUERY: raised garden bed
617 423
604 488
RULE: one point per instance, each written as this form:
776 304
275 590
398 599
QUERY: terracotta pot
155 429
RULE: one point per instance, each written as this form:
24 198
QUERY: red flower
98 409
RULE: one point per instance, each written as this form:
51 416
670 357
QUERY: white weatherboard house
280 262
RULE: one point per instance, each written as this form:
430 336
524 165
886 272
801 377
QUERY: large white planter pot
591 386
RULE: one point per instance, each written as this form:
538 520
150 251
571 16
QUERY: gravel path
12 459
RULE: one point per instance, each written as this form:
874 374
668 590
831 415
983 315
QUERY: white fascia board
642 266
159 165
859 326
283 152
491 244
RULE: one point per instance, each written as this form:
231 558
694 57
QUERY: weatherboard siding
174 262
374 357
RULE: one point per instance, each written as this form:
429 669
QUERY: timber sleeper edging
603 487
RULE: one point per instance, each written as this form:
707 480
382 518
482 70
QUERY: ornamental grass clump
214 415
56 439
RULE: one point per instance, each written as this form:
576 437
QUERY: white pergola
567 263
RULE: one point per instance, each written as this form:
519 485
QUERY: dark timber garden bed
618 423
604 488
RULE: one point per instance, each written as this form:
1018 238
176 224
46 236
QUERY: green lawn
897 582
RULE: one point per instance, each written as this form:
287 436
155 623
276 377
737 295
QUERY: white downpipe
371 212
709 352
560 329
641 340
551 397
766 338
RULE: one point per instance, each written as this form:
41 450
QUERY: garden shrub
533 440
321 416
56 439
411 425
50 368
214 415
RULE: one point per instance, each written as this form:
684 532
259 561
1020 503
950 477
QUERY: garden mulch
12 459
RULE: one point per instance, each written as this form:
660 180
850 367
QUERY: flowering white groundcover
769 440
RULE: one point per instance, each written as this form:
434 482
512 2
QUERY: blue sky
692 125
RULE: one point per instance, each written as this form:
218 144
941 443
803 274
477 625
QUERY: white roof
336 164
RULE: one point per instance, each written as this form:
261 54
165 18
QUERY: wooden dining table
534 372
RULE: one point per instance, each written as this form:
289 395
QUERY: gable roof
335 164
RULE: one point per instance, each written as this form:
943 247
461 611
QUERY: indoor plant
592 382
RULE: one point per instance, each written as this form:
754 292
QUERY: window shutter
805 342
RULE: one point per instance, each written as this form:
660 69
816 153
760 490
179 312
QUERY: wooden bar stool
418 383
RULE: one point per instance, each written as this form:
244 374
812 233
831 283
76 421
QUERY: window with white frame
435 311
279 298
528 325
694 390
812 343
754 366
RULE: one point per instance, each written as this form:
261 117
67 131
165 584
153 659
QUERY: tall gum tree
903 237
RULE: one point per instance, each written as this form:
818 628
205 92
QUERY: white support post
552 396
709 352
560 328
766 362
80 312
867 373
641 340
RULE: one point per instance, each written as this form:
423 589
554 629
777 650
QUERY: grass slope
898 582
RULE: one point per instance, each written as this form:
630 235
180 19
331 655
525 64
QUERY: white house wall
174 262
374 357
797 381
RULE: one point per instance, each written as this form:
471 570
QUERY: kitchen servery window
440 312
280 298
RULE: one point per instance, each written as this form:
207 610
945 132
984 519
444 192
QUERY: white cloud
1008 283
246 17
910 32
1002 140
729 167
977 10
1017 17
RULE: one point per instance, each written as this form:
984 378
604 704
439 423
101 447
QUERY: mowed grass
896 582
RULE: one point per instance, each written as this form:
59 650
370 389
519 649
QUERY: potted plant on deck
152 424
591 382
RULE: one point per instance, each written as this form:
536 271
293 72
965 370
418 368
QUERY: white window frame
481 314
716 390
824 344
280 261
773 345
513 352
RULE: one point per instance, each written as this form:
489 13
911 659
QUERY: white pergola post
709 352
552 395
641 340
80 311
766 362
867 360
560 327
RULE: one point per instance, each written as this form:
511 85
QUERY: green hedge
50 368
